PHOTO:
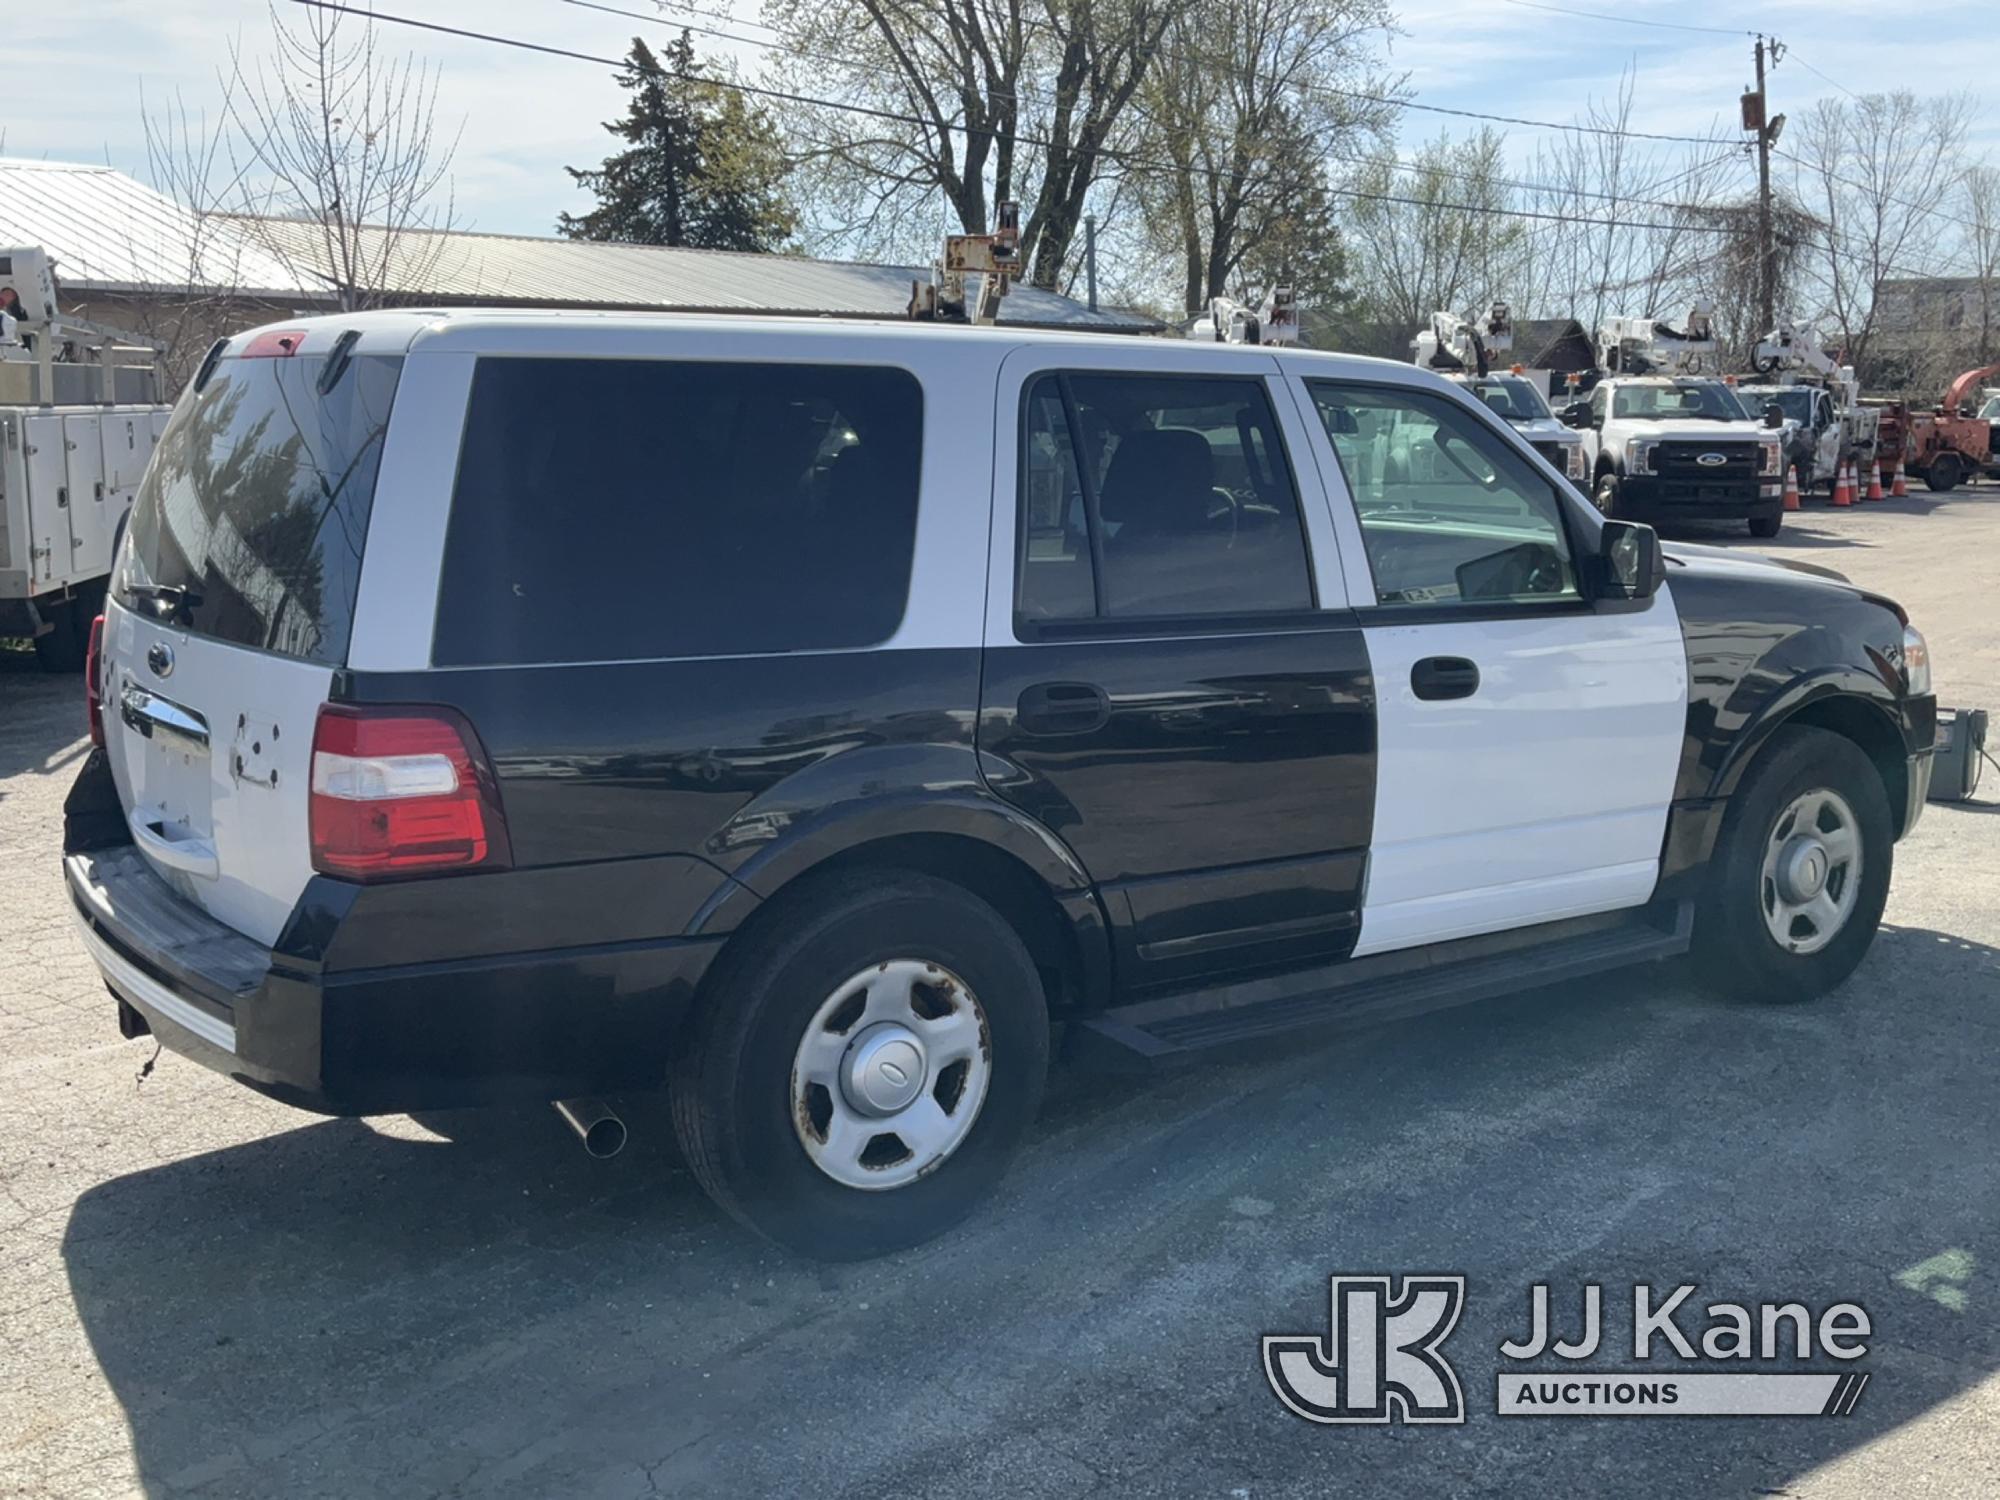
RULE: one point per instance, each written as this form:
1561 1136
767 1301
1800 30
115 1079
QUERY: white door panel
1544 793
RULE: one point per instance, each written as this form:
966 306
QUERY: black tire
731 1086
1605 496
61 648
1767 526
1944 473
1734 950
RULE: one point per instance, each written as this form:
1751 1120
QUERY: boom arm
1455 343
1959 393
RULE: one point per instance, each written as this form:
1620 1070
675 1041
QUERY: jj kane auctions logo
1382 1360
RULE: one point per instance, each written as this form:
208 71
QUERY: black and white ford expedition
1666 448
811 717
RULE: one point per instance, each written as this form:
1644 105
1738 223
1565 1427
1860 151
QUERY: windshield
1991 410
1512 397
1795 401
250 521
1713 401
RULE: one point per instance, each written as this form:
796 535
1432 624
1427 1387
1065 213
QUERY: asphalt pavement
203 1292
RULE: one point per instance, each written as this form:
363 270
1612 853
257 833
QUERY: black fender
1763 713
1770 646
878 793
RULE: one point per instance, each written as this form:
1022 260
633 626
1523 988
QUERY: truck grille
1554 453
1683 461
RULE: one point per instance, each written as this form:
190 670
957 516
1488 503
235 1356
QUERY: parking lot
205 1292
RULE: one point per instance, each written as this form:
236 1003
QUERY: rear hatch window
249 526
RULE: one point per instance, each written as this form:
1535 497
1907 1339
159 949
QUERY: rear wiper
180 600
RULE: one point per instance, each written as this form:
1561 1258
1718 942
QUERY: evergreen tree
702 166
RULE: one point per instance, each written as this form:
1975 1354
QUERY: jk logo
1381 1362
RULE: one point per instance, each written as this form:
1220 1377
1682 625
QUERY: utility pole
1758 118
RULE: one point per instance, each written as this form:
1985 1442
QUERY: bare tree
1437 236
1877 172
189 161
341 138
1626 224
1248 101
1982 244
974 101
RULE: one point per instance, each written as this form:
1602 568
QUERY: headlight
1916 661
1579 466
1638 455
1774 459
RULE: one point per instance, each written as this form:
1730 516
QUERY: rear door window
249 525
612 510
1150 497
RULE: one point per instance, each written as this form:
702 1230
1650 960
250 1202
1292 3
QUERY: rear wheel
61 647
1800 872
1944 473
869 1063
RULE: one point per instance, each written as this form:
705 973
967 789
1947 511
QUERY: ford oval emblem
160 657
1712 460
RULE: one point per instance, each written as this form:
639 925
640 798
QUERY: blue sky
75 72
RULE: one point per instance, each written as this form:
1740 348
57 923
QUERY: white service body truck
71 457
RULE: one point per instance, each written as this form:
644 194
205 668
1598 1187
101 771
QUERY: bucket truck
1228 321
79 416
1666 440
1825 423
1471 354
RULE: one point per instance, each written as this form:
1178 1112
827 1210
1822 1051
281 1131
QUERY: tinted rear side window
622 509
250 522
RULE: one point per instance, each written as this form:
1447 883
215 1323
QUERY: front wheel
869 1062
1800 873
1606 495
1766 526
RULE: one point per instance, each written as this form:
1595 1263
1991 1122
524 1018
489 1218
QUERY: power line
1593 15
1392 162
1130 162
1112 154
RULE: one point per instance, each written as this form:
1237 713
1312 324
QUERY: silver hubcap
1812 871
891 1074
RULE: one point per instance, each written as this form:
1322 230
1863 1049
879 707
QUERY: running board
1384 986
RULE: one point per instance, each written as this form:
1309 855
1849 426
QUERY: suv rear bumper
516 1027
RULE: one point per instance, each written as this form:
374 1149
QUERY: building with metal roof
135 259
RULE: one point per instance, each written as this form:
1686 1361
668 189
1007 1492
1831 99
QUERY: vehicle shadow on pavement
352 1308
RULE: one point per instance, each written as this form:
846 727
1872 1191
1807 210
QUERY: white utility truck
79 415
1825 423
1666 439
1472 354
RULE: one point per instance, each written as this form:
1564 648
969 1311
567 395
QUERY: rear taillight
400 791
93 673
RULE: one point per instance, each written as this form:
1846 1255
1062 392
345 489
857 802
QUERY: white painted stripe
142 990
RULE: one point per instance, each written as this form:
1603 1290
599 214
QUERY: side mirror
1774 414
1629 562
1340 421
1576 414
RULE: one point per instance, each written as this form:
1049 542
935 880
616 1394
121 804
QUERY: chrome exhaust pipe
600 1130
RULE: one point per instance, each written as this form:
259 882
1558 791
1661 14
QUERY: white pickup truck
1668 448
1516 401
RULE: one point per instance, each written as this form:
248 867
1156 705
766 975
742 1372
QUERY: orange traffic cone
1875 482
1791 487
1897 489
1843 492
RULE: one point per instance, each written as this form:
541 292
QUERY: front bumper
1645 497
516 1027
